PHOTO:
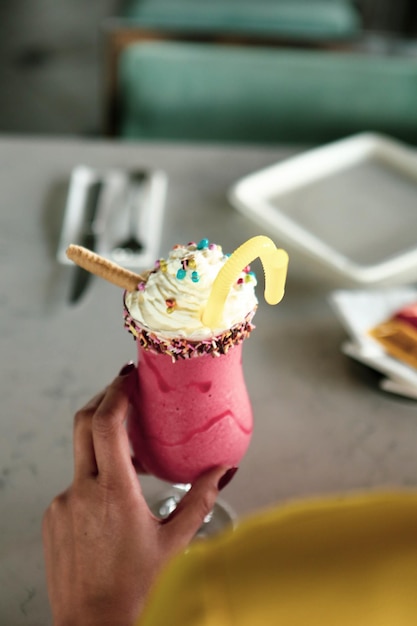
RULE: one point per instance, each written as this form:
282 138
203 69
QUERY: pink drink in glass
190 316
192 414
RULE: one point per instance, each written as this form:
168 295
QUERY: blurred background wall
51 59
390 16
50 65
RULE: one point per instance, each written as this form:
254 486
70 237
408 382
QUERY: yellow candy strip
274 263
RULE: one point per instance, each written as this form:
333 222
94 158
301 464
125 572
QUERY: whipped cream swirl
171 301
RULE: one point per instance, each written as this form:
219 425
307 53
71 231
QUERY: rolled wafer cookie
98 265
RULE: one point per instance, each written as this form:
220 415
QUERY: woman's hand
103 547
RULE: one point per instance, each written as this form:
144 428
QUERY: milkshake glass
190 316
190 319
193 414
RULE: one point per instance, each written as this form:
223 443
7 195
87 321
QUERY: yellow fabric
341 561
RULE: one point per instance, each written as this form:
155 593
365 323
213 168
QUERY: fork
131 246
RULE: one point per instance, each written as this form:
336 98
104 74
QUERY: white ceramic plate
401 390
359 311
399 373
398 381
351 205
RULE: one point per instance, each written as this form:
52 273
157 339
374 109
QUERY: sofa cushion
267 95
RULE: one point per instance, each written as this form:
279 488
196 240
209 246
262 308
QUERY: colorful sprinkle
171 305
203 244
240 281
141 286
181 348
195 277
247 269
191 263
181 273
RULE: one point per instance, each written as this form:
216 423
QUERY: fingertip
139 469
128 379
190 513
127 369
219 477
226 478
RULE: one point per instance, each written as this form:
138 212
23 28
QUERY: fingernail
226 478
126 369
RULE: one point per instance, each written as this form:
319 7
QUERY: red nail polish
226 478
126 369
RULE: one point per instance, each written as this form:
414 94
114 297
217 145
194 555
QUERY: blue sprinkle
202 244
252 274
181 273
195 277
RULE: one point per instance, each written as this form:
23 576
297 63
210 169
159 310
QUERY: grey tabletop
321 423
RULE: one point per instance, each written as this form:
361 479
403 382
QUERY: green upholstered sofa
306 19
201 92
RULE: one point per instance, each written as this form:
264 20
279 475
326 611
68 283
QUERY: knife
88 239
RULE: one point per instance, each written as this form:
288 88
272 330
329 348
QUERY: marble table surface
322 425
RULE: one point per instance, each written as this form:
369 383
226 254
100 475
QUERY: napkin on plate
361 310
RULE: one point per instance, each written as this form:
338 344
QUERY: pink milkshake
194 414
193 410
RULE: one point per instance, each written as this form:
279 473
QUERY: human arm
103 547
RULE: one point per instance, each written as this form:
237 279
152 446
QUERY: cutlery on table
125 251
88 238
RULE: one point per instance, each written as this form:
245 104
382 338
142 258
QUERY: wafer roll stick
98 265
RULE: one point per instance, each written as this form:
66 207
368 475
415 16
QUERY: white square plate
351 205
359 311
